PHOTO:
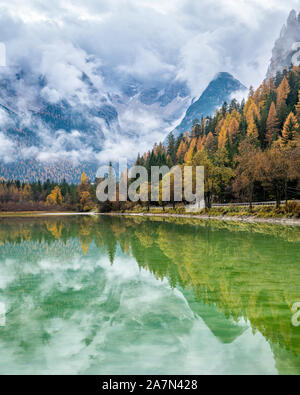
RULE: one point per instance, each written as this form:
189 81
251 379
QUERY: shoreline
278 221
28 214
242 219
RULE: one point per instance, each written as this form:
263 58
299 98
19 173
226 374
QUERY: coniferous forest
250 152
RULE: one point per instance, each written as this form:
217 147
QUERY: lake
118 295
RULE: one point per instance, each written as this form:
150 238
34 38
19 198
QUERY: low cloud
82 51
191 39
61 146
7 151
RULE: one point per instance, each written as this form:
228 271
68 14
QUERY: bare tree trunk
251 198
207 198
278 199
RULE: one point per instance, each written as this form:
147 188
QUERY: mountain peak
292 17
223 74
219 90
284 47
225 77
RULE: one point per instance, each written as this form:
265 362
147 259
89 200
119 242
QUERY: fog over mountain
221 89
286 48
89 82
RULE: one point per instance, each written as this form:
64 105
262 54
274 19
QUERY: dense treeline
250 150
31 170
36 196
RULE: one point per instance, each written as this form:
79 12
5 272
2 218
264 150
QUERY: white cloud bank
7 152
193 40
151 40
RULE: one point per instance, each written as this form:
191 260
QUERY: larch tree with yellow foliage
84 179
189 155
272 125
210 142
181 151
200 144
252 130
233 129
222 139
289 132
282 92
261 94
281 105
85 194
252 112
26 192
55 197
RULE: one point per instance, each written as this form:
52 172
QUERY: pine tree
278 78
171 147
298 107
289 131
139 161
272 125
251 92
64 188
224 109
196 130
169 161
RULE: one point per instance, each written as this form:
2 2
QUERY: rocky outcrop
285 51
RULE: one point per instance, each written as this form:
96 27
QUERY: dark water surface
102 295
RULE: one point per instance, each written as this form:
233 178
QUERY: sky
152 40
192 40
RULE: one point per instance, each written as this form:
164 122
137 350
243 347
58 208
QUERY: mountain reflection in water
139 295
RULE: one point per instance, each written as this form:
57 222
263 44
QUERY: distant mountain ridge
58 139
220 90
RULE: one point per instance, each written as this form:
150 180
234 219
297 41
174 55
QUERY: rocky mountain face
42 137
220 90
287 47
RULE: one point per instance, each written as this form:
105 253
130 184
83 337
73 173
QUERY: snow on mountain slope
50 137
